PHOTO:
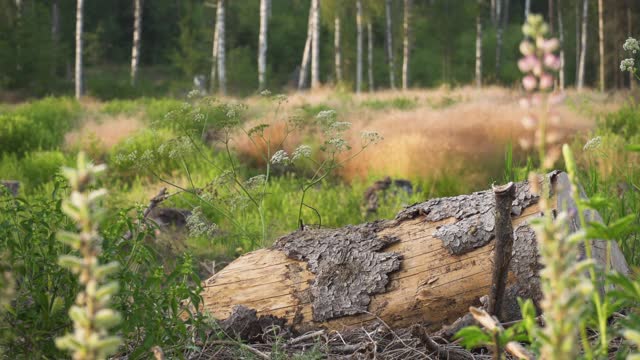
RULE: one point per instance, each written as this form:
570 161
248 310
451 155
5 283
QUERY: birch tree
315 45
214 54
561 75
578 26
78 72
502 19
583 44
405 50
370 55
220 25
304 66
358 45
601 83
262 44
337 49
135 48
527 9
389 42
632 83
479 45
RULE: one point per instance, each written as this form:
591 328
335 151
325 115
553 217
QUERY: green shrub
34 169
400 103
38 125
624 122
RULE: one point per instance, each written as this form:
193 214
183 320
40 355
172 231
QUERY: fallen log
428 265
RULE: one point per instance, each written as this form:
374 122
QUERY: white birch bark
405 51
583 44
214 54
222 70
499 37
389 36
370 55
135 48
561 75
337 48
262 44
527 9
578 26
315 46
359 46
55 21
479 47
79 18
632 83
302 76
601 83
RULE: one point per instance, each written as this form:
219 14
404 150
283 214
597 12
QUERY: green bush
34 169
624 122
38 125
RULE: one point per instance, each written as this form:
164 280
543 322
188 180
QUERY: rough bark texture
389 37
476 222
427 266
348 266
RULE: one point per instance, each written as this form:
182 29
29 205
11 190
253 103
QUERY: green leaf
472 337
633 147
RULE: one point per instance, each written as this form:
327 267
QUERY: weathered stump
427 266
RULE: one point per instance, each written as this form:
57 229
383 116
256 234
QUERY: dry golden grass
105 133
461 131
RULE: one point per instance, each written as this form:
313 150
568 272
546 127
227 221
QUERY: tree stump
428 265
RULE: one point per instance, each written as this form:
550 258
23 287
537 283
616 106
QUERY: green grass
398 103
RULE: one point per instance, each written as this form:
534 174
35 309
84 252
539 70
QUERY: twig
155 201
305 337
256 352
491 323
442 352
504 195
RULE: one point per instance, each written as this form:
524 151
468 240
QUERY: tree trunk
358 46
304 66
389 38
55 22
78 73
578 37
370 55
503 20
551 20
632 84
479 46
222 70
262 44
428 265
583 44
527 9
315 46
337 49
561 75
405 45
135 48
214 53
601 43
493 11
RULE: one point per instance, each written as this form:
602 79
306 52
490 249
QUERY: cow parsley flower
303 151
627 65
199 226
371 137
632 45
280 156
593 144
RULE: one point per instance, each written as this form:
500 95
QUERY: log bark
428 265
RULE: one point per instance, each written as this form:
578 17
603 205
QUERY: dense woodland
361 45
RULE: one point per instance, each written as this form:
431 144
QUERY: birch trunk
135 48
337 49
370 55
55 21
502 20
601 43
405 51
551 20
78 73
262 44
315 46
578 26
389 38
632 84
561 75
527 9
358 46
304 66
493 12
222 70
479 47
583 44
214 53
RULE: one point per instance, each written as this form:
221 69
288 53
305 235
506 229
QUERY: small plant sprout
92 318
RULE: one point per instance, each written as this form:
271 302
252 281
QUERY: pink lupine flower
527 48
529 82
551 61
529 122
528 63
546 82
